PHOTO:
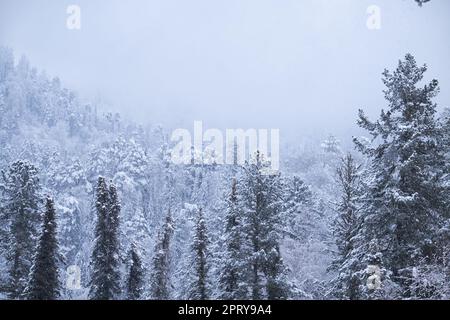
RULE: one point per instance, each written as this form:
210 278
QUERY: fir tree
105 279
297 208
346 286
404 204
99 282
44 279
161 262
262 212
445 144
233 269
21 201
199 279
113 254
135 279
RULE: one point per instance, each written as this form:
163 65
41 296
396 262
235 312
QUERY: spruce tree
445 145
113 227
233 269
161 262
99 282
21 201
199 288
44 279
261 201
404 204
105 278
135 279
346 286
444 241
297 208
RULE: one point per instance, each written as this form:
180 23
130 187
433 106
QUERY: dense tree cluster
360 225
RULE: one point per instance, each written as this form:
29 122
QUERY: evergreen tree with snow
113 228
105 278
6 63
44 278
445 144
160 283
135 279
297 208
199 288
20 191
346 286
444 233
233 268
261 201
403 208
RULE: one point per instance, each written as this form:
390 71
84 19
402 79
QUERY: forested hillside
87 196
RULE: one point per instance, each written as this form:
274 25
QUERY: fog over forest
239 149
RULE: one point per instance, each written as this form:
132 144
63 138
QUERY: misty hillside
72 143
130 219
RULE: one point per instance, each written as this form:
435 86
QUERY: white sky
300 65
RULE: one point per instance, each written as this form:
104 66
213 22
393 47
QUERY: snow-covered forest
82 189
93 207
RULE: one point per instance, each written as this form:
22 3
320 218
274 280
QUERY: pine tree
297 208
346 286
199 279
404 204
99 282
444 241
21 201
6 63
113 227
262 223
105 279
161 262
445 144
135 279
44 280
233 269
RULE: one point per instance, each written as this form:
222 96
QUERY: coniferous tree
445 143
233 269
20 210
346 286
444 241
161 262
113 227
199 288
404 203
135 275
297 208
44 278
99 282
262 223
105 279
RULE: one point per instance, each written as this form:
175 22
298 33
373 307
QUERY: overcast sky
300 65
